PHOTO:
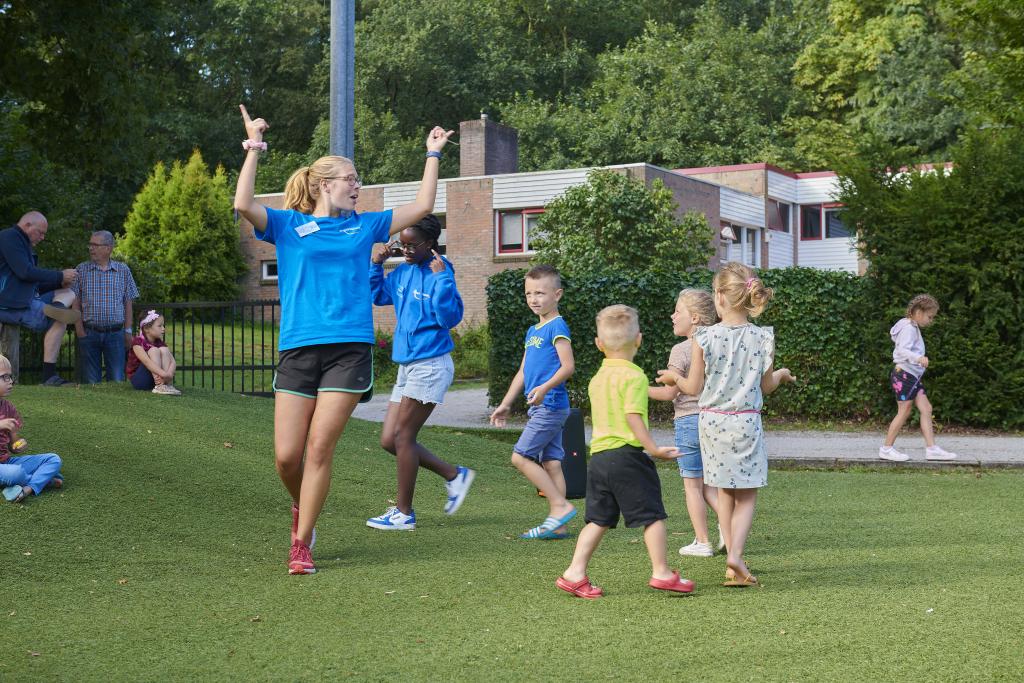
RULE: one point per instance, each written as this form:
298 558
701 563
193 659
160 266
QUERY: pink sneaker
295 526
299 559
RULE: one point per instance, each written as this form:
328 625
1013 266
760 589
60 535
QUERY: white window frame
265 271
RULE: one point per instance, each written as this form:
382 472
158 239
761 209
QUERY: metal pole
343 76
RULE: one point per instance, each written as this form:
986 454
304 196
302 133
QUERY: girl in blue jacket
427 306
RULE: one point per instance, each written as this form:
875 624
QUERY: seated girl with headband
150 363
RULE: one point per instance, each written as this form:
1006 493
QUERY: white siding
817 190
404 193
782 187
837 253
534 190
780 249
741 207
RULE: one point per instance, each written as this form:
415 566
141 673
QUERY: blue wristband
435 155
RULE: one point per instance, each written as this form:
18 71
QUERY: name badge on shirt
307 229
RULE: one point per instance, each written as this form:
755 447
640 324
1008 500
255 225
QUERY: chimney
487 148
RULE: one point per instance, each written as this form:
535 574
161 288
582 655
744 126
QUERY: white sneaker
697 549
890 453
393 519
937 453
457 489
166 390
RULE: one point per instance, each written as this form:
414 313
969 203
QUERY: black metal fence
223 345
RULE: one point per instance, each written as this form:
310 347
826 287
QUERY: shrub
181 236
958 236
818 318
615 224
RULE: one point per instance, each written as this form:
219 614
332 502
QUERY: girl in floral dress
731 370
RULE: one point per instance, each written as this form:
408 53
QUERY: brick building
768 217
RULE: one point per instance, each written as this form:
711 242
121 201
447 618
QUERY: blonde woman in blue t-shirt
325 366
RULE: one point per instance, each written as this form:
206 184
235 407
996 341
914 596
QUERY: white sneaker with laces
697 549
457 489
393 519
938 453
890 453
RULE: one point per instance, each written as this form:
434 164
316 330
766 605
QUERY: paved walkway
468 408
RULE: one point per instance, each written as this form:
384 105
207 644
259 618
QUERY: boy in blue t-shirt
547 363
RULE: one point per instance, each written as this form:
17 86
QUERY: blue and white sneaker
393 519
457 489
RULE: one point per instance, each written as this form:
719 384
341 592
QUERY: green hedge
819 320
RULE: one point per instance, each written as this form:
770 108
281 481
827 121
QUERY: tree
181 237
956 234
714 94
614 224
881 68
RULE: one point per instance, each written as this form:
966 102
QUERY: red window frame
821 223
525 237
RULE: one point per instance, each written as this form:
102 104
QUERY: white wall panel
741 207
817 190
780 249
532 190
837 253
782 187
404 193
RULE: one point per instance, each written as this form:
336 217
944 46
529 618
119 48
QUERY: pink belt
729 412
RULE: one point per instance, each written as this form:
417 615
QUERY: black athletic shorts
307 370
623 480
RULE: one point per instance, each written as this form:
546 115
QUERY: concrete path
468 408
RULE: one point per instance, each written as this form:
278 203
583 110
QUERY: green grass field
164 558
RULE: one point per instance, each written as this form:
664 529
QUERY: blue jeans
109 346
30 470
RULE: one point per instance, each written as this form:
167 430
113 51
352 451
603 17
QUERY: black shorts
623 481
307 370
905 385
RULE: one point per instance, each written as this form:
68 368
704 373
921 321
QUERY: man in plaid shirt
104 291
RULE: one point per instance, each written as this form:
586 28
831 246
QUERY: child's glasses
7 377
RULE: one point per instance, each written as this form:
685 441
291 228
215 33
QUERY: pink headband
150 317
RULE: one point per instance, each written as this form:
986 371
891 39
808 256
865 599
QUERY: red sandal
675 584
581 589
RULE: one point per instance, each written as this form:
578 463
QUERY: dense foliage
181 238
831 330
956 234
616 224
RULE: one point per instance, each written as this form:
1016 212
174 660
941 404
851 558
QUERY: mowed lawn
164 558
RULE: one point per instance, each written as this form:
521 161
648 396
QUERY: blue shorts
688 442
425 380
32 317
542 436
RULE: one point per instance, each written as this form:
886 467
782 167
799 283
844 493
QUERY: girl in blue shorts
694 308
326 364
427 306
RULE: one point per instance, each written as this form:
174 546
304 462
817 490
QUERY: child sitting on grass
24 475
151 365
621 478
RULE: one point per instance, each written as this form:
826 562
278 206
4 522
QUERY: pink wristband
252 144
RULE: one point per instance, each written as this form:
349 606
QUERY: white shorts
425 380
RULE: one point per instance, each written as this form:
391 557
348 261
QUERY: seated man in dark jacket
34 297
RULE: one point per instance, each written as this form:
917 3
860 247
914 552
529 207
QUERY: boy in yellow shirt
621 478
